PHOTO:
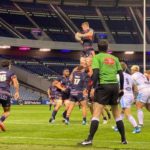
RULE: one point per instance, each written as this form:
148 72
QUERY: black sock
104 118
84 119
67 118
65 113
121 129
2 119
54 114
93 129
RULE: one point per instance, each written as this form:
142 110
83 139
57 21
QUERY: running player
63 84
86 39
105 68
7 77
78 90
55 96
143 90
127 99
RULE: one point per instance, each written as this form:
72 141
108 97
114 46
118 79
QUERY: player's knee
95 118
118 118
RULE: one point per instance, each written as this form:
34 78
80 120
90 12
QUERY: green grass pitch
28 129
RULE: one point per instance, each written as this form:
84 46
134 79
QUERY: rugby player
56 97
7 78
63 84
105 69
128 98
143 92
86 38
78 90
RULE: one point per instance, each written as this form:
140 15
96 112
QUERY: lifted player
78 90
86 39
7 77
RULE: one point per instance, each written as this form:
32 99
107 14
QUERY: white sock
140 116
122 116
132 121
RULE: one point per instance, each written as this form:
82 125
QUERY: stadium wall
31 79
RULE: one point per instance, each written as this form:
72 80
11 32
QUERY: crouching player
78 89
127 99
7 77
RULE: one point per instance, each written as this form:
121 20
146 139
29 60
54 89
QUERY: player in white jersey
143 92
127 99
147 74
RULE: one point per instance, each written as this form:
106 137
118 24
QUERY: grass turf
28 129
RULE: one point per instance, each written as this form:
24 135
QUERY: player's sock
93 128
64 114
132 121
54 114
2 119
109 115
121 129
84 119
140 116
104 118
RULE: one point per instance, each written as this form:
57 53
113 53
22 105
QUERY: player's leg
83 61
140 115
104 117
66 103
3 117
97 111
84 111
70 109
56 108
107 111
119 122
6 104
141 100
127 112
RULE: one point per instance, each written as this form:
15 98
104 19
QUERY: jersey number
76 81
2 77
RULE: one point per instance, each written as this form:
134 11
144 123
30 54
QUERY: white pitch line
65 139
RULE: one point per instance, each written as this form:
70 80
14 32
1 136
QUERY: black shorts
5 100
76 98
66 95
107 94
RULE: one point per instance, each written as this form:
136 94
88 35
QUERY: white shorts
126 101
144 96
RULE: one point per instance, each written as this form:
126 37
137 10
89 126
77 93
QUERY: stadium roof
107 3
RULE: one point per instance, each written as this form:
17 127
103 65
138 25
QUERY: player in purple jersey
86 39
55 95
7 77
78 90
63 84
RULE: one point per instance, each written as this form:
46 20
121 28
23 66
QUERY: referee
105 69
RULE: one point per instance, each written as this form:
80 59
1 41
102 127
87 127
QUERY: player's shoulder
127 75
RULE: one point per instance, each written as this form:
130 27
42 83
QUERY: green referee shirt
108 66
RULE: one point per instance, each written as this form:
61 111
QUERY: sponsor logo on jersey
109 61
